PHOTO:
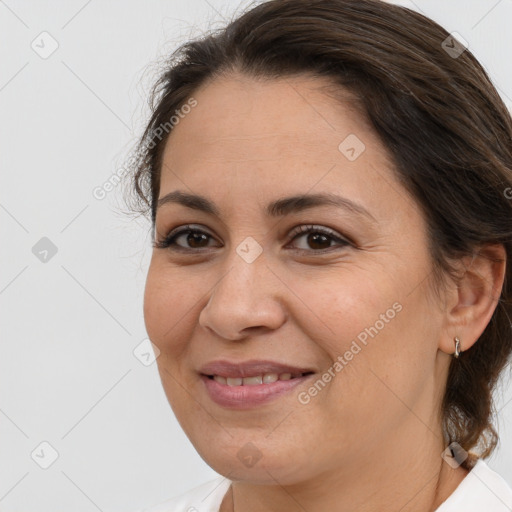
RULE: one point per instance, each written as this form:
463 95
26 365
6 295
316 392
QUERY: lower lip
246 397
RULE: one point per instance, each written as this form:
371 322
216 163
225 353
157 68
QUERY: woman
329 291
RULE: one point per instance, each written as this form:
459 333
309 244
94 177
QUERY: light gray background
68 375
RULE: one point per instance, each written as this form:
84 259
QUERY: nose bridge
245 295
246 261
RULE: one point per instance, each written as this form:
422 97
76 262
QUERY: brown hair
442 121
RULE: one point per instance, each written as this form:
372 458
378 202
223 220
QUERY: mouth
256 380
245 385
252 369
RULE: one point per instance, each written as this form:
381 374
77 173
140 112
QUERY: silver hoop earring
457 347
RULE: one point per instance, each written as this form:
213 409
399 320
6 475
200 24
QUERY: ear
472 301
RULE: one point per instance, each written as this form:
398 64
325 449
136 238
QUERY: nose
246 298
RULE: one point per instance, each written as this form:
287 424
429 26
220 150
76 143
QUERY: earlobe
475 297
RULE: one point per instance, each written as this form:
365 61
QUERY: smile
267 378
249 392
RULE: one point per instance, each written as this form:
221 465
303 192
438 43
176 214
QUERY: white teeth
267 378
252 381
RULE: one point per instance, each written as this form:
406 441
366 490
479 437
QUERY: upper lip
250 368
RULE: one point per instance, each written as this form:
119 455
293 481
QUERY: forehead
261 136
242 119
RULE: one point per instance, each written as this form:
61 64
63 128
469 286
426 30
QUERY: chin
255 462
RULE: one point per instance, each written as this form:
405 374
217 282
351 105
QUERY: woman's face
348 304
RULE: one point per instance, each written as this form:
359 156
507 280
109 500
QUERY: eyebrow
278 208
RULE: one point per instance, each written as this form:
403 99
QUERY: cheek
375 333
340 305
166 304
387 363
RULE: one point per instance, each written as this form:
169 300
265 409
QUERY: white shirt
482 490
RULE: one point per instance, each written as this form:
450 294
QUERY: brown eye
318 239
193 239
196 239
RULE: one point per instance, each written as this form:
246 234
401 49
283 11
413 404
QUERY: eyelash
169 242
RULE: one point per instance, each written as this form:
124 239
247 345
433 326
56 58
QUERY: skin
371 440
